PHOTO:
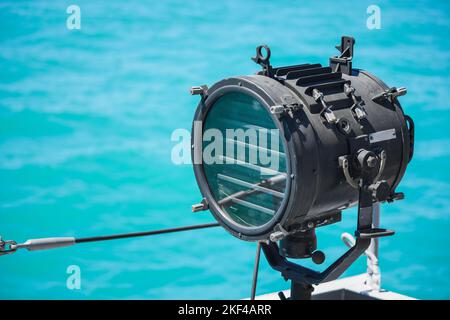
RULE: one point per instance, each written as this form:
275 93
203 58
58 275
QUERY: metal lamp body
316 188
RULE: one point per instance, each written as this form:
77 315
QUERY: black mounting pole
301 291
255 271
303 278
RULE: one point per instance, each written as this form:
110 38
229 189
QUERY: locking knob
318 257
380 190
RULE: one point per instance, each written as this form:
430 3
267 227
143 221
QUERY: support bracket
263 60
343 62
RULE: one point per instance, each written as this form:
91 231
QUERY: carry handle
410 122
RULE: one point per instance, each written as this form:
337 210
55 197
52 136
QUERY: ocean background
86 118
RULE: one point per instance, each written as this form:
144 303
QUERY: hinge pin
199 90
202 206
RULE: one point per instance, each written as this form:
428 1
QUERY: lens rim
242 85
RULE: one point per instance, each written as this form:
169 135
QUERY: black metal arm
303 278
300 274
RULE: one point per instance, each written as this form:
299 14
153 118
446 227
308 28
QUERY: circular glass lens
244 159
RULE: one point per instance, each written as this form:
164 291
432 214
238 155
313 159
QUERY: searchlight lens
244 160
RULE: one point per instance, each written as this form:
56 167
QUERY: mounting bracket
343 62
263 61
303 278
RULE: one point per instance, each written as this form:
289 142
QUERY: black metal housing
323 113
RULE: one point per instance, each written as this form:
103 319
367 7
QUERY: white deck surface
355 284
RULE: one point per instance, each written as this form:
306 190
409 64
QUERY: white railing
373 270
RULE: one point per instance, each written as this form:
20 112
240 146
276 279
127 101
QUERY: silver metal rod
45 243
7 247
255 147
254 206
255 186
261 170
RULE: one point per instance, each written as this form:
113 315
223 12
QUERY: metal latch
278 234
326 111
390 94
279 109
357 107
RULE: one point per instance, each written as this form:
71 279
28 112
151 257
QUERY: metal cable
146 233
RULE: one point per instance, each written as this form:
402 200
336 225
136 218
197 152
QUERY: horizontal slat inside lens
254 206
224 124
268 152
254 186
246 165
264 171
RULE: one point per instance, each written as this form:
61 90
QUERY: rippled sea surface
86 118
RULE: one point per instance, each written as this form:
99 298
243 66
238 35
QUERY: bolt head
372 161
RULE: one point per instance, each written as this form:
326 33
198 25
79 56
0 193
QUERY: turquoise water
85 123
